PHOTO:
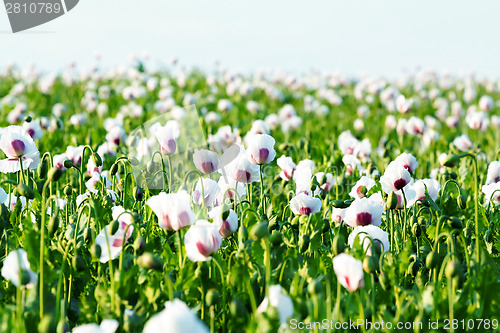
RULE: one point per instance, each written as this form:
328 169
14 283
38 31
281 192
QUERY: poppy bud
62 326
370 265
68 190
338 244
451 160
55 174
451 269
413 268
212 297
28 119
95 250
138 193
114 169
462 201
488 236
392 201
139 244
415 229
455 223
25 191
47 324
97 159
42 170
242 234
237 309
114 227
134 161
151 167
276 237
467 233
78 263
304 243
339 204
259 230
149 261
315 287
53 225
68 164
431 260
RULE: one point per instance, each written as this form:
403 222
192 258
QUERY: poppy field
181 200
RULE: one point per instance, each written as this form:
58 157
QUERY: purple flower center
225 229
169 148
243 176
19 147
263 155
184 219
400 183
31 132
207 167
364 218
305 211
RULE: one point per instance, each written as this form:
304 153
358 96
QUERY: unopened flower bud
97 159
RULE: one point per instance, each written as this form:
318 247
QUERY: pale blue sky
352 36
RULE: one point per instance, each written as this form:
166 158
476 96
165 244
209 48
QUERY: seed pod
149 261
97 159
212 297
25 191
55 174
42 170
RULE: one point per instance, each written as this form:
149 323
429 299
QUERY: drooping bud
25 191
97 159
149 261
451 160
55 174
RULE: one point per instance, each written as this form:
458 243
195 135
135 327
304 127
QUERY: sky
379 37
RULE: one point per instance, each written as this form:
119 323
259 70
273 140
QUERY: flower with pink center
206 161
116 135
111 245
241 169
338 214
92 168
74 154
325 181
364 233
361 188
349 271
287 167
207 190
261 149
280 301
463 143
352 163
173 210
403 105
304 204
18 145
227 220
202 240
33 129
477 120
364 211
167 136
228 187
493 175
347 143
492 192
97 178
58 161
395 177
175 318
432 187
408 161
415 126
302 177
486 103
